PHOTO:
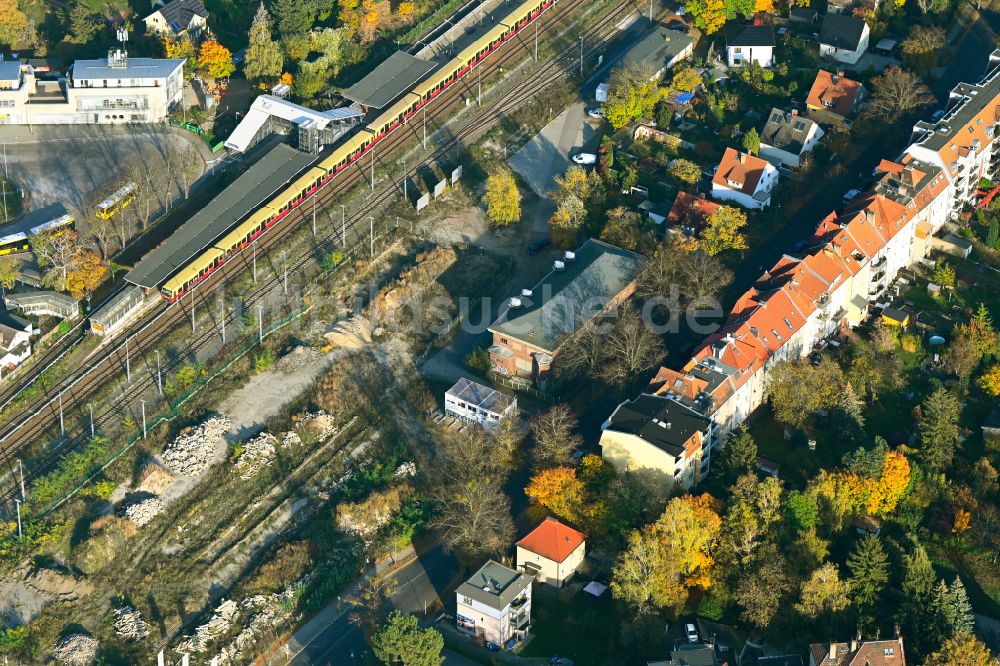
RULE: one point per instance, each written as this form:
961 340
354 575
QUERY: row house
847 266
961 142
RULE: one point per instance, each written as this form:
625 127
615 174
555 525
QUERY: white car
681 11
596 112
585 158
691 633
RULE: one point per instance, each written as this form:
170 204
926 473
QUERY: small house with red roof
744 179
834 99
689 214
552 552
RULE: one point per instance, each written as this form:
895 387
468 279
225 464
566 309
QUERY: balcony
520 601
521 621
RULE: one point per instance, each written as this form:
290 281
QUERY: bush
286 567
710 607
263 360
72 469
911 343
478 361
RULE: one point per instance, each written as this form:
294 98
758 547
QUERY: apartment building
660 440
111 90
848 264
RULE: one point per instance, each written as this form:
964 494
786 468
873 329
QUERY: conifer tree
263 57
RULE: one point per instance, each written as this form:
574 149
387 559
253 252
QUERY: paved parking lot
61 166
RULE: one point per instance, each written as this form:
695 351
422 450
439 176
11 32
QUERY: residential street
329 638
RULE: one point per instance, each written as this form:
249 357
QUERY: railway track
73 391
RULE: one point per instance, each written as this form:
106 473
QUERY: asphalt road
330 639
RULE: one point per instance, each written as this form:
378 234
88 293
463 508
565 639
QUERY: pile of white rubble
129 624
257 454
75 650
191 453
144 510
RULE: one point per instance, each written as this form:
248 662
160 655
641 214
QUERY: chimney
840 72
743 158
869 216
795 112
833 651
854 645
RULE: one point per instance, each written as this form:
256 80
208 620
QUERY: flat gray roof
481 396
657 48
494 585
135 68
567 299
394 76
269 174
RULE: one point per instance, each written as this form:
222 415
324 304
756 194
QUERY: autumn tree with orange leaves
86 274
560 491
845 494
665 560
215 60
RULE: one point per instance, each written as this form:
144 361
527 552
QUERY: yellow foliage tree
286 78
86 274
961 650
14 24
503 201
215 59
177 48
766 6
406 8
724 231
990 381
847 494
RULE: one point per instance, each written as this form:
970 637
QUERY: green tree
869 566
944 274
503 200
867 462
632 96
751 141
754 510
724 231
402 641
938 422
83 25
800 511
848 419
294 17
959 611
738 457
311 80
263 58
685 79
10 272
993 235
798 390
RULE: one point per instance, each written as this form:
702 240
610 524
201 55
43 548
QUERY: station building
111 90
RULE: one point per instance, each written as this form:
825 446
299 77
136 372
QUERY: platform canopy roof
393 77
257 185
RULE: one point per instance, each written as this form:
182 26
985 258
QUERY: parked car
937 115
538 245
681 11
678 26
585 158
850 194
691 633
596 112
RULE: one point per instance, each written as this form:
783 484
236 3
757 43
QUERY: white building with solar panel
480 404
106 91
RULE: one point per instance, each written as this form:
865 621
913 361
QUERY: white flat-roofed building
495 604
116 89
472 401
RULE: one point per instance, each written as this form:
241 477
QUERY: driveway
548 154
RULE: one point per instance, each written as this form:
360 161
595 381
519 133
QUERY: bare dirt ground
472 226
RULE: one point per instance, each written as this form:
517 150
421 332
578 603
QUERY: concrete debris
257 454
144 510
129 624
298 359
406 469
75 650
191 453
263 612
217 625
290 439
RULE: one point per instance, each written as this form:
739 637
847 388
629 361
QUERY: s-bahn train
348 152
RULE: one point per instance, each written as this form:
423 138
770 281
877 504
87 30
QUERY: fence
172 408
193 127
522 387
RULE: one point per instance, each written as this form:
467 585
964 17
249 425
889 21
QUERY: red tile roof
832 92
741 168
690 211
552 540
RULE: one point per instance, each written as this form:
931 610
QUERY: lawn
588 630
